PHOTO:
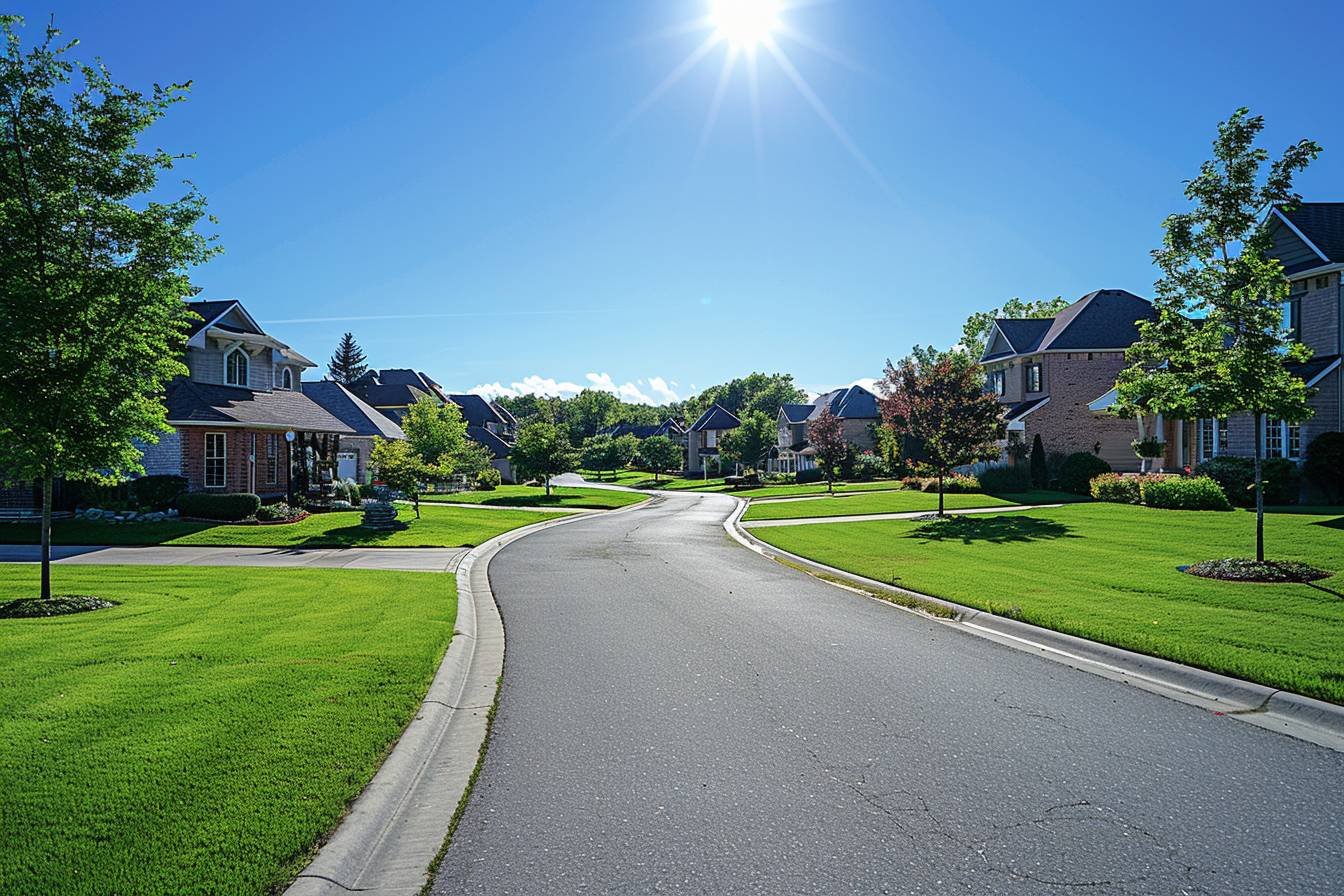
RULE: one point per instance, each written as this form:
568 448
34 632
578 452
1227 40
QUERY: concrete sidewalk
409 559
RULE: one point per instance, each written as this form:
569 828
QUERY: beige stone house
858 412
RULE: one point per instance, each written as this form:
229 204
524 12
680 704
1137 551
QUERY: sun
744 23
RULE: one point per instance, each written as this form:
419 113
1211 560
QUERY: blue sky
467 183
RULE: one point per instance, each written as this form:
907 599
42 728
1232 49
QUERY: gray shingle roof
1024 334
796 413
206 403
497 447
1323 224
855 403
207 311
1023 408
347 407
668 427
1310 371
476 410
717 417
1104 320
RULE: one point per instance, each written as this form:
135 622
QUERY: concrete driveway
681 715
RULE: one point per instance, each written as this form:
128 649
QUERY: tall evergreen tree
92 271
347 365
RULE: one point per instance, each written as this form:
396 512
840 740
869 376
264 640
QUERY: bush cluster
158 492
1078 470
806 477
1324 465
1005 480
229 508
1236 475
488 480
1116 488
952 485
346 490
1184 493
867 466
278 512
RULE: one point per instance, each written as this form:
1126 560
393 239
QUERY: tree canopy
543 451
93 271
754 392
749 443
348 362
975 332
826 435
659 453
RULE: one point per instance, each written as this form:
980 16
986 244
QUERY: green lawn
887 502
437 527
716 484
1109 572
201 737
621 477
533 496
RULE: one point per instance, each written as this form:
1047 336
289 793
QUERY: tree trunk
46 536
548 485
940 495
415 501
1259 495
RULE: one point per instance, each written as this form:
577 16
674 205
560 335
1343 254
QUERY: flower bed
1243 569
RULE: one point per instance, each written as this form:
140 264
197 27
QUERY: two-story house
352 460
240 420
1309 243
1052 375
857 409
490 425
702 439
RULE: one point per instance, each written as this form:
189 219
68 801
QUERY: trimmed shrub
996 480
1078 471
1040 472
952 485
1324 466
280 511
368 491
806 477
488 480
158 492
868 466
224 508
1184 493
1116 488
1236 476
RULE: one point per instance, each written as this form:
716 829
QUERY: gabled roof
1023 408
497 447
476 409
668 427
1313 371
203 404
1103 320
209 312
394 388
1321 225
717 417
855 403
796 413
347 407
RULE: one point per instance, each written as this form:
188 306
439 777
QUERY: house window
235 367
1033 377
996 382
286 378
1273 438
1282 439
1298 286
1323 282
216 470
1293 433
1292 319
272 458
1212 438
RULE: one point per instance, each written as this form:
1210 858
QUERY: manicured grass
437 527
887 502
1109 572
201 737
621 477
716 484
533 496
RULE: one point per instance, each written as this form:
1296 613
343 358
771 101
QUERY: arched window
235 368
286 378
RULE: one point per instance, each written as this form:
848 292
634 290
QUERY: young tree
600 453
1218 345
939 402
1040 475
660 453
826 435
749 443
401 467
347 365
975 332
542 450
590 412
92 272
436 432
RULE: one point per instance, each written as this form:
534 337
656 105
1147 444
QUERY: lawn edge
399 826
1294 715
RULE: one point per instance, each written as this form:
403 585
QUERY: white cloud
655 391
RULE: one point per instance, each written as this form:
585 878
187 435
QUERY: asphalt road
680 715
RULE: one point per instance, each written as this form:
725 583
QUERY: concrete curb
1305 718
396 827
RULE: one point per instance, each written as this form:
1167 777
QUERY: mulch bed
60 605
1242 569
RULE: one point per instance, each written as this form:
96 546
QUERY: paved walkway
905 515
410 559
784 499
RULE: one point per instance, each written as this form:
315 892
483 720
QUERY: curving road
680 715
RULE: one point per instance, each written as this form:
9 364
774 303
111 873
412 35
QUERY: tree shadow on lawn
969 529
1336 523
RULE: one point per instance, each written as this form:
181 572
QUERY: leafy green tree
401 467
348 363
754 392
590 412
543 451
600 453
826 435
1218 345
938 405
658 453
437 433
749 443
975 332
92 270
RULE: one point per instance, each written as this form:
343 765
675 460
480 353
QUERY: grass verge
202 736
532 496
1109 572
887 502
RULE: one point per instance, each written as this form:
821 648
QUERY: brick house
240 421
857 409
1309 243
702 440
1052 375
352 459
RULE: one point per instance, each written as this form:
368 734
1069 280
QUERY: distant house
491 425
394 390
1052 375
857 409
352 460
702 440
669 427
